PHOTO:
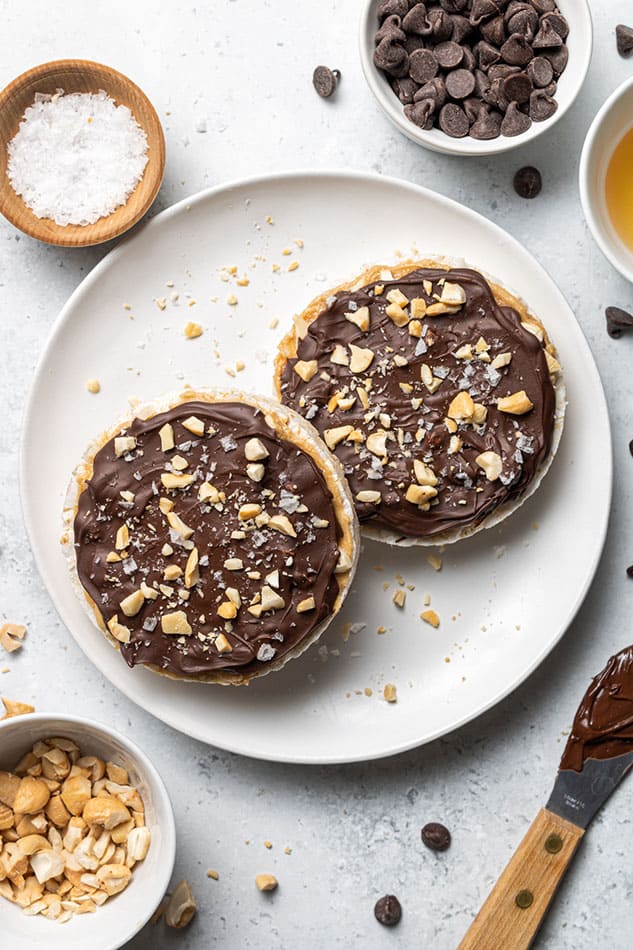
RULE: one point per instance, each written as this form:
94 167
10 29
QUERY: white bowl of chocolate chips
475 77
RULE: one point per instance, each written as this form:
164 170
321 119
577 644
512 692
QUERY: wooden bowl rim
32 226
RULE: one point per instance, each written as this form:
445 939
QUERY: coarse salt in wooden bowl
79 76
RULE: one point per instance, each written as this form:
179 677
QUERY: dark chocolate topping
603 726
291 488
413 415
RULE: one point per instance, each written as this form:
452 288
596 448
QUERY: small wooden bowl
77 75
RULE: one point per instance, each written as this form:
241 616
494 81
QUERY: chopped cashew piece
517 404
491 463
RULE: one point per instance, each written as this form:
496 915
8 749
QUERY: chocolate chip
547 37
542 106
325 80
416 21
495 95
493 31
391 28
460 83
442 25
449 54
528 182
630 450
405 89
551 89
544 6
524 22
421 113
482 83
392 58
454 6
483 10
414 42
472 107
389 7
629 571
558 58
518 87
461 28
487 55
540 71
558 22
469 61
423 65
388 911
624 39
487 126
436 836
516 50
435 90
617 321
501 70
454 121
514 121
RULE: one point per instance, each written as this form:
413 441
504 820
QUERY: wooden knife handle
514 909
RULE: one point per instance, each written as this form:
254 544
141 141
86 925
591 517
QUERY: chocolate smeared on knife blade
599 751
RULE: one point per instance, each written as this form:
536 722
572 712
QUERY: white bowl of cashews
36 844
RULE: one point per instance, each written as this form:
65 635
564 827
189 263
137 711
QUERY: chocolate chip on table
325 80
514 121
617 321
423 65
629 571
624 39
540 71
528 182
460 83
388 911
436 836
631 446
542 106
454 121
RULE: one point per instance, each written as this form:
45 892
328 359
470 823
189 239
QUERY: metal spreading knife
598 754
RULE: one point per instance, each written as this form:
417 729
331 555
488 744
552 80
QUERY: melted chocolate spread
416 418
603 727
292 486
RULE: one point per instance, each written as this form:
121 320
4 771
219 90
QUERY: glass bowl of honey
606 179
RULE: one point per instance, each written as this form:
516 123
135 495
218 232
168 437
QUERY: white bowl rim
168 826
437 141
587 198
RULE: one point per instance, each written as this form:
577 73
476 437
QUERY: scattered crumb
535 526
385 585
269 220
266 882
191 302
447 659
274 323
193 330
400 597
427 600
5 669
293 265
287 251
232 300
161 302
213 874
11 636
400 579
517 626
93 386
127 306
242 282
229 371
287 850
275 268
390 693
247 841
299 242
381 630
15 708
268 844
435 562
240 365
430 617
368 691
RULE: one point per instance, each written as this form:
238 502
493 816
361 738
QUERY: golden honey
619 189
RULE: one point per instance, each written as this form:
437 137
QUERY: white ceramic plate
504 597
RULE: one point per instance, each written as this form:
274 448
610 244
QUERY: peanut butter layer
207 542
437 400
